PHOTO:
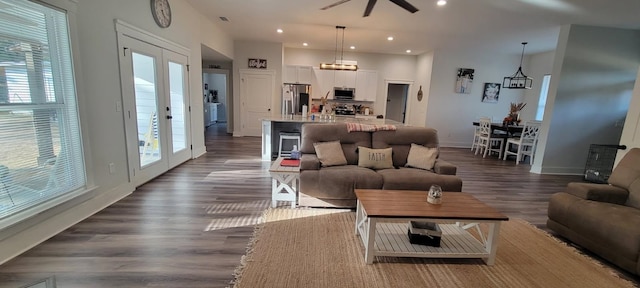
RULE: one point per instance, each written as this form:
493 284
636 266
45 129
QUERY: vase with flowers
514 114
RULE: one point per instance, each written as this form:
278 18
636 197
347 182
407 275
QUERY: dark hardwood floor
190 226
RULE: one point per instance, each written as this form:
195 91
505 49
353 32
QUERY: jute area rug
318 248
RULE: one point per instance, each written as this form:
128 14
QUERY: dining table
511 130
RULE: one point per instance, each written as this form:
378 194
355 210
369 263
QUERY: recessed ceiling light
305 44
441 2
390 38
408 50
352 47
279 30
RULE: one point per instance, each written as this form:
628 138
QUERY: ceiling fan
402 3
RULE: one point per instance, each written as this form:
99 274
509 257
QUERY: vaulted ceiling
492 25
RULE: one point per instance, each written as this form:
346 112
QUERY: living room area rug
319 248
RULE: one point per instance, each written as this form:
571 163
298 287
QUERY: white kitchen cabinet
323 83
366 85
297 74
345 79
213 113
207 115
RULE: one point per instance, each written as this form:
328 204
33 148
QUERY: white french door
177 107
156 106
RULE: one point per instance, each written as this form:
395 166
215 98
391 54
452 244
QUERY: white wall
96 57
244 50
592 82
219 82
539 65
417 109
389 67
452 114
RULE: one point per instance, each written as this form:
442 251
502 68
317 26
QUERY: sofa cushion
421 157
325 132
401 140
374 158
330 153
338 182
418 179
606 225
626 175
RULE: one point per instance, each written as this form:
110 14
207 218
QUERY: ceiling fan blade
404 4
369 7
334 4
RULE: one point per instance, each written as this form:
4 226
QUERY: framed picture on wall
464 80
491 92
257 63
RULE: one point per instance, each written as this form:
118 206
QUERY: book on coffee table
290 162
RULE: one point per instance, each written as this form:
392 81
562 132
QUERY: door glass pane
176 95
144 75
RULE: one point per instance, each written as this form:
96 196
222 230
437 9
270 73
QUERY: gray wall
591 87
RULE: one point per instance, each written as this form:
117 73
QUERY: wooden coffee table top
413 204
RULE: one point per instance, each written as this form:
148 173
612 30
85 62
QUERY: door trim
127 29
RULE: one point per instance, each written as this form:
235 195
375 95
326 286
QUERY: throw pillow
375 158
422 157
330 153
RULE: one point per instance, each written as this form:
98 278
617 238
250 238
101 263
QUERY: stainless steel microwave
340 93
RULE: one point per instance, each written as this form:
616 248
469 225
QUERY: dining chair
526 142
476 136
487 140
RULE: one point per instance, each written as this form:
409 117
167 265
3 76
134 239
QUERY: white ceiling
494 25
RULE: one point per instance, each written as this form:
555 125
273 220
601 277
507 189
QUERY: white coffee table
382 219
284 183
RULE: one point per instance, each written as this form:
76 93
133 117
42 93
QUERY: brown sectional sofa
334 186
603 218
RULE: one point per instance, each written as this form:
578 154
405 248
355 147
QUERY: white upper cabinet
297 74
346 79
366 85
325 80
365 82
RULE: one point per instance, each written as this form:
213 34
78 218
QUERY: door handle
169 117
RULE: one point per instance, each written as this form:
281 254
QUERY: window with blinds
40 146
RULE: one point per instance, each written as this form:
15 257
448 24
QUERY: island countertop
336 119
271 126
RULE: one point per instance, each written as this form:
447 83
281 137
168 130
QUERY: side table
284 183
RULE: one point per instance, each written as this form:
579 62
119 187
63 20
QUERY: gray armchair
603 218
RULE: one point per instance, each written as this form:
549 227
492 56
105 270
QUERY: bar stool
288 136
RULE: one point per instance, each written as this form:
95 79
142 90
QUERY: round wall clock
161 12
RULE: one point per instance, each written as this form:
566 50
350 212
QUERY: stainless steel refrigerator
294 96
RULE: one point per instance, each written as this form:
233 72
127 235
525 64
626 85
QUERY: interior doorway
397 101
215 93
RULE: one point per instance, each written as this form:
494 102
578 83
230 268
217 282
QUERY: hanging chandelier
340 64
518 80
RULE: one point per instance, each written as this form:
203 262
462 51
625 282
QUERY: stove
340 110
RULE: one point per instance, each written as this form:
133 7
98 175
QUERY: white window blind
40 145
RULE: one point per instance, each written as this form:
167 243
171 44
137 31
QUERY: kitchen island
272 126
